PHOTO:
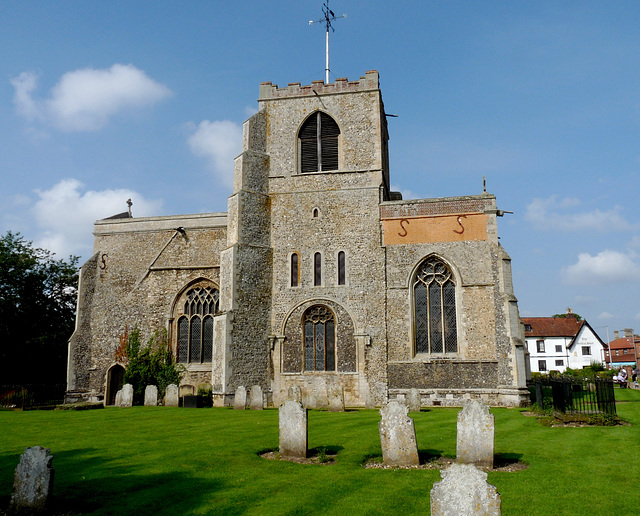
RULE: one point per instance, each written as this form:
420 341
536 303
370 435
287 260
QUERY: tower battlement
368 82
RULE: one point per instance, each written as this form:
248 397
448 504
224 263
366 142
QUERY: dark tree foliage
37 312
564 316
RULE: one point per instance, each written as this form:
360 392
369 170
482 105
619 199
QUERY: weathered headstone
118 401
335 398
294 393
32 481
464 491
398 436
256 400
413 400
476 430
294 430
171 396
151 396
126 399
240 399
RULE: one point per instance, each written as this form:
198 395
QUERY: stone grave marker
126 400
476 429
256 400
118 402
398 436
335 398
240 399
413 400
294 393
464 491
294 430
151 396
171 396
32 481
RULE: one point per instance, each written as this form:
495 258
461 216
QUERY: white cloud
587 300
249 111
84 100
65 214
406 193
605 316
554 214
220 142
606 266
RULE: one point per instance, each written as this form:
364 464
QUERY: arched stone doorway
115 381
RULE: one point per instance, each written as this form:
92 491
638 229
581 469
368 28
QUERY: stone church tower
318 274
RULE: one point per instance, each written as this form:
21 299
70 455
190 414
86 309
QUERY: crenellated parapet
368 82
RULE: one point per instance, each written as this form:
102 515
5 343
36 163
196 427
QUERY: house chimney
616 335
628 332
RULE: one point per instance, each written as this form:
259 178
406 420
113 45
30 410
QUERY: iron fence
28 396
570 395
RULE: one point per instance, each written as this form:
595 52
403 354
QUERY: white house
556 343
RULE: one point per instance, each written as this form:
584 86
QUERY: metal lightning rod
329 16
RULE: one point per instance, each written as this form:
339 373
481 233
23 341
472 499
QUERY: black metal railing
27 396
570 395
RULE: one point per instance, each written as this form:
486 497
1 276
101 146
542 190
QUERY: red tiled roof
552 326
622 343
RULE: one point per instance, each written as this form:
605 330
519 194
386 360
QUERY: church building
317 274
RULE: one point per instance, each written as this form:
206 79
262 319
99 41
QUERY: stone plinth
32 481
476 430
464 491
256 399
151 396
293 430
240 399
398 436
171 398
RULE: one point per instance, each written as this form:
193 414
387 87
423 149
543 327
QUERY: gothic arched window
318 138
434 300
195 327
319 334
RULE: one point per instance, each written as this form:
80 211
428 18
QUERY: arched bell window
434 304
195 327
319 336
318 140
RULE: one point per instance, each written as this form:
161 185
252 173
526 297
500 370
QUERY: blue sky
101 101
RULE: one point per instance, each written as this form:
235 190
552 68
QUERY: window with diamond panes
195 327
319 339
318 138
434 297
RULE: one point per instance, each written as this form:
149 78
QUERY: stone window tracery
434 305
318 141
319 339
195 327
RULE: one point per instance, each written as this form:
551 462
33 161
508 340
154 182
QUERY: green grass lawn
175 461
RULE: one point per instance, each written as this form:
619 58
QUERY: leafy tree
37 312
149 365
564 316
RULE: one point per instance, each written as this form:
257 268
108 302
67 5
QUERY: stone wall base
79 396
501 397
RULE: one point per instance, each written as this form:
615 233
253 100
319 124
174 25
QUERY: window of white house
559 362
527 327
542 365
558 348
586 350
540 346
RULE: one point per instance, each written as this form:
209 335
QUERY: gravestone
413 400
118 402
476 429
126 400
240 399
369 402
256 400
171 396
335 398
464 491
398 436
294 430
151 396
294 393
32 481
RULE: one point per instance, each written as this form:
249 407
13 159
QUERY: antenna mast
329 16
